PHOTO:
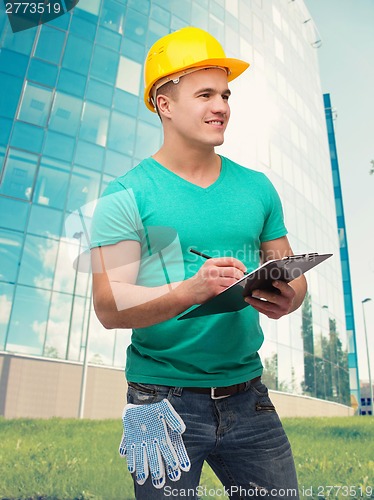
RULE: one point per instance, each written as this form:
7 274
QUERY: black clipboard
231 299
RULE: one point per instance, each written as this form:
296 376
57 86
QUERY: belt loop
177 391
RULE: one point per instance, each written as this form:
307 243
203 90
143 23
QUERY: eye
225 97
206 96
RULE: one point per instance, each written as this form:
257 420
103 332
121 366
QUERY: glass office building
72 118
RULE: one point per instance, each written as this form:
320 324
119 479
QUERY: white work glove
152 435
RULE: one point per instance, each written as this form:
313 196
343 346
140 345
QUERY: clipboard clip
309 256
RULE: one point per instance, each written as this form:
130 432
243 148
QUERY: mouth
215 123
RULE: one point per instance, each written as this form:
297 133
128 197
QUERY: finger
228 262
131 458
141 464
156 465
171 417
284 288
173 474
122 447
272 311
180 449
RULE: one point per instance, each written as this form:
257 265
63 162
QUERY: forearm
122 305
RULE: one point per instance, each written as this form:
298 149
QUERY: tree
308 346
371 171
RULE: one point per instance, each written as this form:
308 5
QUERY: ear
163 105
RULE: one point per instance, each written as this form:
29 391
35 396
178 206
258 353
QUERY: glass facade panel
71 82
22 41
6 299
59 146
50 44
125 102
104 64
128 77
11 88
35 105
13 63
122 133
112 16
89 155
38 262
45 221
13 213
148 140
84 187
99 92
94 127
66 113
28 320
136 26
52 183
5 129
10 252
18 176
42 72
77 55
27 137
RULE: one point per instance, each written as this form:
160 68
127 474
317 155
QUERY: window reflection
36 103
52 183
45 221
18 176
13 213
10 251
128 77
104 64
6 299
84 186
112 16
11 88
136 26
122 133
148 140
50 44
28 321
65 114
38 261
94 126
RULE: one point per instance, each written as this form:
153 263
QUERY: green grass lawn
78 459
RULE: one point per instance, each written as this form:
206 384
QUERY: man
197 377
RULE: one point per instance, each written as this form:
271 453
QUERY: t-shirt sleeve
116 217
274 226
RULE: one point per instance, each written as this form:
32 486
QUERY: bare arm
291 295
120 303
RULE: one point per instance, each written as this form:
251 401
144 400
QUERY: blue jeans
240 437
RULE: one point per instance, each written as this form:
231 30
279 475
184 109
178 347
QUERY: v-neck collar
196 187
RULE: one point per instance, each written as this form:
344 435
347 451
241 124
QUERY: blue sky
347 74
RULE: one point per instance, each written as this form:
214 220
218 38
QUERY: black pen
204 255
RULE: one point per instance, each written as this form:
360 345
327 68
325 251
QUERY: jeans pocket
140 394
263 402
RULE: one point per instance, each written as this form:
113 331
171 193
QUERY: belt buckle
213 396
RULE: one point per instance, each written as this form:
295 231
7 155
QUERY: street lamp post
364 301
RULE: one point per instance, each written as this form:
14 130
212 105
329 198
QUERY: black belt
221 392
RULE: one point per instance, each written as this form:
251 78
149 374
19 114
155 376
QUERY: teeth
216 122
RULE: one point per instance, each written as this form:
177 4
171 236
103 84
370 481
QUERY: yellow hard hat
183 50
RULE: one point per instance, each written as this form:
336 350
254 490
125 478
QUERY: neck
193 163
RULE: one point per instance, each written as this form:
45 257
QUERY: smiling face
198 112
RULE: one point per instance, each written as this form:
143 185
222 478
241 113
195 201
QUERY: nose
220 105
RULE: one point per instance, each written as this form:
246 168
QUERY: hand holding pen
205 256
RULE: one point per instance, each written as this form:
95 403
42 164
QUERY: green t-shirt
168 215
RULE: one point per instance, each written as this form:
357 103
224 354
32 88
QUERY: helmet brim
235 67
